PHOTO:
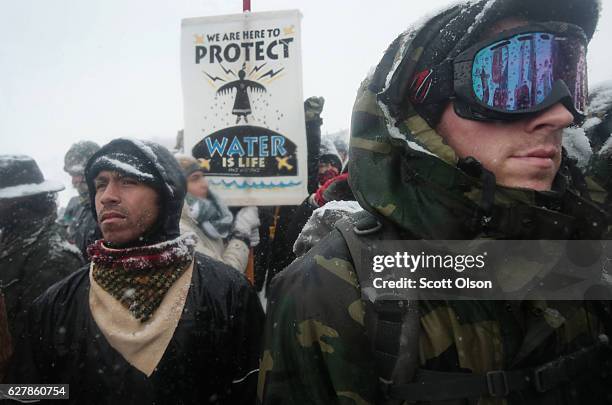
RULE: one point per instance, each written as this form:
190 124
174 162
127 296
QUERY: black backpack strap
392 325
359 231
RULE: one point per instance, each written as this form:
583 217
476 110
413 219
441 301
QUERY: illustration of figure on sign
242 104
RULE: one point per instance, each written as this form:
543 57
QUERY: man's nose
552 119
110 194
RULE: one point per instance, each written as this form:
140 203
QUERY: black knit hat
129 163
454 30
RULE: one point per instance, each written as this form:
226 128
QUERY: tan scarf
142 344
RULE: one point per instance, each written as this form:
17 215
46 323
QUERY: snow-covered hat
119 158
20 176
78 155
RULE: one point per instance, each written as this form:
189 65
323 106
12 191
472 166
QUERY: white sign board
243 105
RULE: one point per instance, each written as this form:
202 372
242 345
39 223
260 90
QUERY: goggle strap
433 85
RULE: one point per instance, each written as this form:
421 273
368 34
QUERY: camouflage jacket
317 350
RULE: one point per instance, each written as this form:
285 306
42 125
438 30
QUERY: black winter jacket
32 258
212 357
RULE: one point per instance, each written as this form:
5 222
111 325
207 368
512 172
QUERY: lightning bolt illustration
257 69
227 70
214 79
270 73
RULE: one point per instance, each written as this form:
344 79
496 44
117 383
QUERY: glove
246 222
336 189
313 107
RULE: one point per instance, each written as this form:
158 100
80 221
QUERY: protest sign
243 105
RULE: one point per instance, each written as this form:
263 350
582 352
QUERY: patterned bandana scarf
140 277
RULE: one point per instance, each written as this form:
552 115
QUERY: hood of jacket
598 130
168 175
598 127
329 153
420 184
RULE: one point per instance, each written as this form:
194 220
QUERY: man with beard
147 321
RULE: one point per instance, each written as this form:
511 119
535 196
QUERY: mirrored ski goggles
522 71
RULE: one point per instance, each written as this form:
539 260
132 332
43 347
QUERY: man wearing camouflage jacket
426 164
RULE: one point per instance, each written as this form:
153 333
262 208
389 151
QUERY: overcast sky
102 69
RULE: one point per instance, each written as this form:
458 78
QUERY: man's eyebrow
127 176
116 175
101 178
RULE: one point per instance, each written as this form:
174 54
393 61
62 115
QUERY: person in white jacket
220 235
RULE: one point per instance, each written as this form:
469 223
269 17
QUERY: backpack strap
445 386
393 325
